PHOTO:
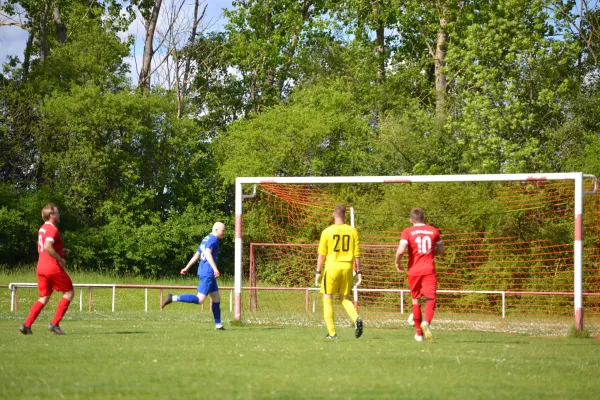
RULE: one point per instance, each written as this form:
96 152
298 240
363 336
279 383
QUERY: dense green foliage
318 87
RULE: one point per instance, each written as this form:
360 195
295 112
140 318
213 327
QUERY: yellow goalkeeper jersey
340 245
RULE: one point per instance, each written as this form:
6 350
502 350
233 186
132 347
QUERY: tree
262 39
92 53
178 34
321 132
150 13
513 89
362 18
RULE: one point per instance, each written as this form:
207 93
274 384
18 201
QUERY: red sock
429 307
61 309
417 318
33 314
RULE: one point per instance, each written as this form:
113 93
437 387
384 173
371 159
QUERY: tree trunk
252 92
182 89
380 52
27 54
283 75
440 76
269 80
61 29
186 72
144 80
43 34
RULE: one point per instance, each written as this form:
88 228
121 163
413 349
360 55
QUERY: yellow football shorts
337 281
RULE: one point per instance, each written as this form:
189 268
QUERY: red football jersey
48 265
421 241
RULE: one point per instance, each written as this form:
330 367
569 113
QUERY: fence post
113 297
80 299
306 300
503 304
146 301
401 301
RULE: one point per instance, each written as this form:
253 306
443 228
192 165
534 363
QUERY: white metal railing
13 287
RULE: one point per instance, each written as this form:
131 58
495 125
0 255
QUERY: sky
13 39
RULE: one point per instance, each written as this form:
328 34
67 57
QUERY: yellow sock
328 313
349 307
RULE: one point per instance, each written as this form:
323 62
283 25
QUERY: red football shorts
60 281
423 285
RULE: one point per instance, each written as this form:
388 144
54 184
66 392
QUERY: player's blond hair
48 210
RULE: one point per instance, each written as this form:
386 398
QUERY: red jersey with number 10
48 265
421 240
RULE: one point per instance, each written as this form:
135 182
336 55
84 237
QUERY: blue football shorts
207 284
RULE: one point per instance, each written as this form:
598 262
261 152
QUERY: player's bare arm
439 248
211 261
192 261
399 254
49 249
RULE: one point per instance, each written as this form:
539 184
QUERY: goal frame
576 177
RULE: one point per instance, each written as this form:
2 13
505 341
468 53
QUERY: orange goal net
509 247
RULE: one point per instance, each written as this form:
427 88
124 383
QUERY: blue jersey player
207 253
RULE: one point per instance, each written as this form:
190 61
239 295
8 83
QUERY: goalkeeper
339 251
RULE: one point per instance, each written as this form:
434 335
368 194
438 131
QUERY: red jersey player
50 272
423 242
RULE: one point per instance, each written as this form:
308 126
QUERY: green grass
177 354
132 354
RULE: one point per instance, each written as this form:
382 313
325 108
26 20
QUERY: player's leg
346 279
61 282
429 289
351 311
45 291
182 298
414 283
216 308
328 288
349 307
188 298
328 315
417 318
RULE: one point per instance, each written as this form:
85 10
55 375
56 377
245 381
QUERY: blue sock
216 310
188 298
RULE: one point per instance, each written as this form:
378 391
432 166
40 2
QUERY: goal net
511 248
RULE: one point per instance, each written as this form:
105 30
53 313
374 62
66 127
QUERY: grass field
178 354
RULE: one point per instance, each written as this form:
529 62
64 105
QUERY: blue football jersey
209 242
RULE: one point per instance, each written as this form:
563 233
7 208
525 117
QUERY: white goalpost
245 188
